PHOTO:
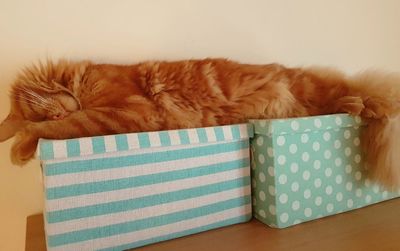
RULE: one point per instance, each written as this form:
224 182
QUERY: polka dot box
124 191
308 168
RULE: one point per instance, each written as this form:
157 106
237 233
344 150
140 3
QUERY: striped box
307 168
125 191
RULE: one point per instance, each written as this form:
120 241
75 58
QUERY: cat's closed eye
61 105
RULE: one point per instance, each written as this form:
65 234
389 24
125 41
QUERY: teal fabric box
308 168
124 191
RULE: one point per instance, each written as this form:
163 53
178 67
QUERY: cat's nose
57 116
60 115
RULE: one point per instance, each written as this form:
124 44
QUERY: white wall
349 34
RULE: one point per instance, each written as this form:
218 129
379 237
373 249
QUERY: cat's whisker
32 101
35 95
27 95
35 105
40 98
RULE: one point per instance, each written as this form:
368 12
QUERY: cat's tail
381 144
381 137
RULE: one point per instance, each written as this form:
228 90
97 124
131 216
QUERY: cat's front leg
24 147
78 124
26 140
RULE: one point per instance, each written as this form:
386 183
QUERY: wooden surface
35 239
375 228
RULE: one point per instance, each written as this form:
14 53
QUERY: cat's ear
9 127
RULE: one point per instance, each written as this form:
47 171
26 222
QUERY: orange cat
75 99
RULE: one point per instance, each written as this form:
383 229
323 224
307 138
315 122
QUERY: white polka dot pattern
293 148
308 168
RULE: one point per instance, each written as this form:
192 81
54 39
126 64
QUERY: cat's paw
377 108
24 148
349 104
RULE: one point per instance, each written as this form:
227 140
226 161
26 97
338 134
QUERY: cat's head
37 95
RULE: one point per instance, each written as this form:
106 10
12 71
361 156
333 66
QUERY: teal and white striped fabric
124 191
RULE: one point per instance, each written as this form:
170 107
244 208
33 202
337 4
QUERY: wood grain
374 228
35 238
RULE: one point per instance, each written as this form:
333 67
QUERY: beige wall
349 34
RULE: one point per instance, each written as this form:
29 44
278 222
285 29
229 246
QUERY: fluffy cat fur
77 99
